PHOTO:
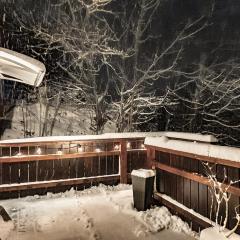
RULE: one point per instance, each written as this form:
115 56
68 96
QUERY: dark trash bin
142 183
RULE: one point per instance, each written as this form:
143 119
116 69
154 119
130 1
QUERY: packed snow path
98 213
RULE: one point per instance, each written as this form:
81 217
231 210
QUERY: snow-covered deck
97 213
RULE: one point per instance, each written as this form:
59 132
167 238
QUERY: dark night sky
218 42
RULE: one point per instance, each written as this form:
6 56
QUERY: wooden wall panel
233 174
24 177
194 186
195 195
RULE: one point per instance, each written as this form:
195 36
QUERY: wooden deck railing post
150 157
123 162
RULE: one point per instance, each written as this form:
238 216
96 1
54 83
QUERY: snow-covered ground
98 213
69 121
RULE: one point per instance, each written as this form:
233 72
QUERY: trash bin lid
143 173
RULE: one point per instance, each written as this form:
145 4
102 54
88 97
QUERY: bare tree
136 76
219 191
106 68
86 42
214 104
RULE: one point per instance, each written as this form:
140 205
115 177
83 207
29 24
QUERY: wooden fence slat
123 162
233 174
24 177
116 164
194 187
173 178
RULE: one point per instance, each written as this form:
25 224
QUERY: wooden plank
6 173
65 168
180 180
164 158
233 175
167 185
182 212
88 166
15 173
80 167
194 177
1 173
55 156
129 162
56 169
43 171
80 171
173 178
186 183
103 166
220 172
95 166
194 187
150 157
32 171
226 162
73 168
203 194
160 180
56 183
110 169
116 164
123 162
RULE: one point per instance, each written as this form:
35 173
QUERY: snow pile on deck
159 218
102 212
5 228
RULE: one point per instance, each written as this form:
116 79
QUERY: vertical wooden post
123 162
1 167
150 157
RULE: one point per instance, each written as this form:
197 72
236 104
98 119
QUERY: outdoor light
19 154
80 148
39 151
142 146
98 150
116 147
128 145
59 152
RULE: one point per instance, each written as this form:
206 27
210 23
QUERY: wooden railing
182 176
29 168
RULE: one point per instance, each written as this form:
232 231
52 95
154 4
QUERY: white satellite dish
21 68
